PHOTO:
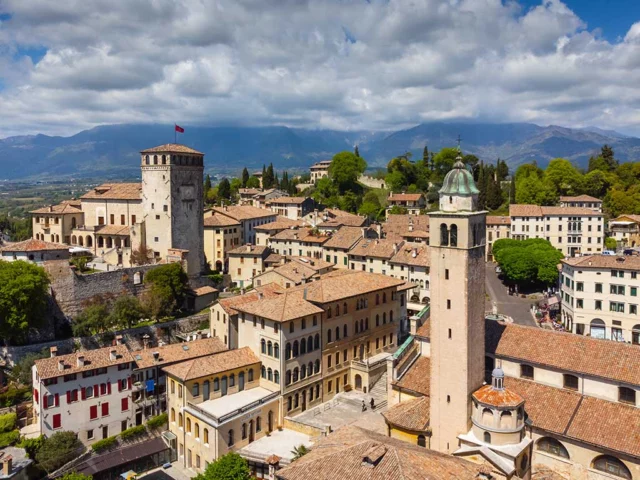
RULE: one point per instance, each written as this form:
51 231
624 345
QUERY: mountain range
112 151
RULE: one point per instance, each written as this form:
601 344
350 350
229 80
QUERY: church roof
171 148
459 181
487 395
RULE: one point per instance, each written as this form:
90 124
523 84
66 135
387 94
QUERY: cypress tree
356 151
207 185
245 177
512 191
425 155
482 187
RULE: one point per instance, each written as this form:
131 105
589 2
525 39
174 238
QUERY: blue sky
338 64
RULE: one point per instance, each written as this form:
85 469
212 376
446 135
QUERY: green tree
207 185
21 372
512 191
535 191
92 320
502 170
32 445
398 210
345 169
494 194
563 176
396 181
58 449
443 161
235 185
269 178
228 467
356 152
253 182
24 294
245 177
482 188
610 243
350 202
619 201
169 285
126 311
76 476
425 155
224 189
527 262
299 451
325 192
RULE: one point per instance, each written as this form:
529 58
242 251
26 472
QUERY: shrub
133 432
14 396
104 444
32 445
9 438
158 421
58 449
8 422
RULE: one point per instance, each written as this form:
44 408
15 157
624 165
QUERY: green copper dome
459 181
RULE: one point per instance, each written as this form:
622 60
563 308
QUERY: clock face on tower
188 192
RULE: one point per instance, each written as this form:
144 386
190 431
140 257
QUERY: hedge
9 438
158 421
104 444
8 422
132 432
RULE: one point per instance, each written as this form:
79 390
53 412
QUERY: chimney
372 457
7 465
364 233
145 341
156 356
414 252
81 360
119 340
260 296
51 208
295 269
379 230
249 248
53 351
395 248
304 294
61 365
113 354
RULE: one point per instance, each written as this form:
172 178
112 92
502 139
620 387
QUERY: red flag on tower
179 129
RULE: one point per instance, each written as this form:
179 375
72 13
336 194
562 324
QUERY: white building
33 251
626 230
293 208
87 392
320 170
249 218
600 296
582 201
572 230
497 227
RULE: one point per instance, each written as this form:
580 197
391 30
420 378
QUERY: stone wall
71 291
165 332
371 182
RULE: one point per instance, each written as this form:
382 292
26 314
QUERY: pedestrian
372 403
364 406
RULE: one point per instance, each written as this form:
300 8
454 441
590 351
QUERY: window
579 303
57 421
598 288
89 434
616 307
552 446
617 289
448 304
195 389
598 304
125 404
230 439
580 286
634 291
453 236
93 412
422 441
627 395
633 309
612 466
526 371
487 437
444 235
446 274
570 382
105 409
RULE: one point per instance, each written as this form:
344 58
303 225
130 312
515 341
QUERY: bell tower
457 247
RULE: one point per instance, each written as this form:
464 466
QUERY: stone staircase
379 392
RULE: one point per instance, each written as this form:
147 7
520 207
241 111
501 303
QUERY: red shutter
83 394
68 396
93 412
35 395
125 404
75 395
96 390
57 400
105 409
44 401
103 389
57 421
109 388
129 383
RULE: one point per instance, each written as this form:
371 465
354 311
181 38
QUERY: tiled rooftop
405 197
417 378
115 191
99 358
384 248
32 245
344 238
176 352
410 415
414 254
61 208
498 220
626 262
487 395
521 210
580 198
172 148
218 220
213 364
284 307
245 212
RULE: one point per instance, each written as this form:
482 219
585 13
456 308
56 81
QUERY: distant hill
112 151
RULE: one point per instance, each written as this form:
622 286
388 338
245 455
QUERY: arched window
487 437
230 439
384 297
216 384
251 374
422 441
357 327
391 316
188 425
344 330
303 347
276 350
444 235
289 403
296 401
303 372
344 308
206 435
287 377
366 323
316 341
310 344
263 346
337 333
317 366
180 420
287 351
155 159
295 348
232 380
146 159
173 415
377 320
329 312
377 299
506 420
195 390
310 369
487 416
197 430
270 374
337 310
270 349
570 381
296 374
276 377
328 336
552 446
612 466
244 431
453 236
263 372
384 318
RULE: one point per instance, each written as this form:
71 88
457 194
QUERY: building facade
497 227
582 201
221 235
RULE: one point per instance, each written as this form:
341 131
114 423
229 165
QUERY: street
515 307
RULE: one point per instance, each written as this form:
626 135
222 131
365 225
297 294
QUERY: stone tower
457 246
172 184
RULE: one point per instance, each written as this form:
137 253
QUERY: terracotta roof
357 454
565 351
344 238
281 308
293 271
300 234
228 304
425 329
384 248
172 148
342 284
250 251
323 163
281 223
204 290
119 230
397 226
213 364
249 191
99 358
542 472
340 217
498 220
487 395
620 218
273 258
622 262
405 197
218 220
580 198
115 191
177 352
288 200
410 415
405 255
245 212
315 264
32 245
417 378
521 210
61 208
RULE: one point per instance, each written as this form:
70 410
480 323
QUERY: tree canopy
58 449
24 294
169 285
228 467
527 262
345 169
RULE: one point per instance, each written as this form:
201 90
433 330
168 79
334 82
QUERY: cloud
343 64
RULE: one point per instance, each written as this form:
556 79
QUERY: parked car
630 251
498 270
608 252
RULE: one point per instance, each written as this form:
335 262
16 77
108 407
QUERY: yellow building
217 404
221 234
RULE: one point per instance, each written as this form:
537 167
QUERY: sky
334 64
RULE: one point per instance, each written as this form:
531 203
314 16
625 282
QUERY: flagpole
175 133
